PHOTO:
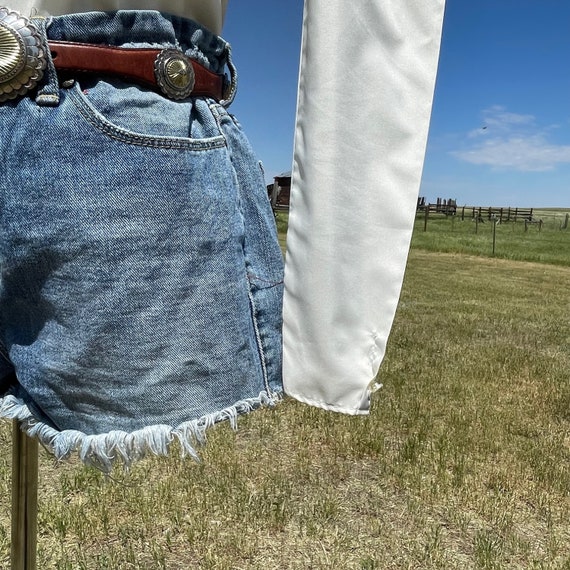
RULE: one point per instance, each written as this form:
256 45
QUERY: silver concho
22 57
174 74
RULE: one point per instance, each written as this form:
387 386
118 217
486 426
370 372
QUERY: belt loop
48 92
231 87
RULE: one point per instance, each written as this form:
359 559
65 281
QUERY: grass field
543 243
463 463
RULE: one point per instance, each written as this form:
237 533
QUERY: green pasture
542 242
463 463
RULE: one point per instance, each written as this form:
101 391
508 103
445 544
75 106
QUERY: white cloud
510 141
499 117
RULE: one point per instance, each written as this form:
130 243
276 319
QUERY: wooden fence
478 213
500 214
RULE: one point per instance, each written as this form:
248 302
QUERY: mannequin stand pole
24 500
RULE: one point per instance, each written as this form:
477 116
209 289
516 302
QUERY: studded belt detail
23 60
22 57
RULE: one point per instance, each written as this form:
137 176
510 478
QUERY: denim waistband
136 29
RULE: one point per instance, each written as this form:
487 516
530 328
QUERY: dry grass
463 463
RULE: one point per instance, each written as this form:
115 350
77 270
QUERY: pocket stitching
94 118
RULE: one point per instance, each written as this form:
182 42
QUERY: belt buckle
174 74
22 56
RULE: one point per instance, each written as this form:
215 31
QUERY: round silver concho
174 74
22 57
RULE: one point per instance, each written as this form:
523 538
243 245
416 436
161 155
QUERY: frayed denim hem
102 451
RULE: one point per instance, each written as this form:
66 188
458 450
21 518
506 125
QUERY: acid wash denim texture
141 277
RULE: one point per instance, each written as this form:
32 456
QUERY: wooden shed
280 191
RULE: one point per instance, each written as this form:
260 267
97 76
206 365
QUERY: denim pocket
140 116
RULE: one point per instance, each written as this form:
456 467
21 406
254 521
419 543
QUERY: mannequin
209 13
361 128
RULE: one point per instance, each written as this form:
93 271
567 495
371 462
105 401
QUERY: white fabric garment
365 95
209 13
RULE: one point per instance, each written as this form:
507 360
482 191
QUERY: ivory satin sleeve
366 86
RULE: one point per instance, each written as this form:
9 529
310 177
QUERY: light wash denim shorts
141 277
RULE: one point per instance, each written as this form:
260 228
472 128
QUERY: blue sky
266 39
500 129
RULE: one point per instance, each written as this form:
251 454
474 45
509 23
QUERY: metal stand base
24 500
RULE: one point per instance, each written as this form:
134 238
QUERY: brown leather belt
23 59
167 70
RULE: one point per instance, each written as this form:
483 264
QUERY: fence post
426 217
494 234
274 194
